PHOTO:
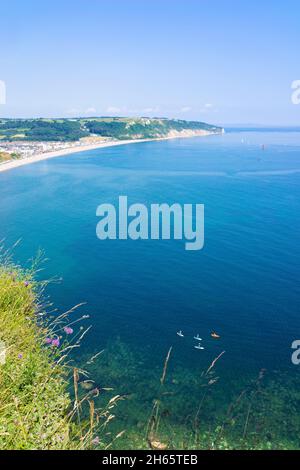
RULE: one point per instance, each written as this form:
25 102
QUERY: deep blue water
244 284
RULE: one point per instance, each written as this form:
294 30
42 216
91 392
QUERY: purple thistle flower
48 340
68 330
55 342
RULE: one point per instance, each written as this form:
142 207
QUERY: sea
138 294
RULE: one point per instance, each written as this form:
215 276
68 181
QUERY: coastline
11 164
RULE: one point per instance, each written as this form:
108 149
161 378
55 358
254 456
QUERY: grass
34 402
37 408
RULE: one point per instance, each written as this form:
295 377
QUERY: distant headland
24 141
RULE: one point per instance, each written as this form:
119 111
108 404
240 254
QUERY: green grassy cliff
34 401
116 128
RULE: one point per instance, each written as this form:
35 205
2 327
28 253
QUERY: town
25 149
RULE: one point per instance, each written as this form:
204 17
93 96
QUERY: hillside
37 409
5 157
113 128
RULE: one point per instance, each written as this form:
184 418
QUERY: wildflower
48 340
68 330
26 283
20 356
55 342
96 441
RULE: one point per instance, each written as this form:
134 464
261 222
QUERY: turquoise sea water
244 284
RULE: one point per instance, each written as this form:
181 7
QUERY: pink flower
48 340
68 330
55 342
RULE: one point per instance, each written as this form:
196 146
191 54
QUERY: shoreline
11 164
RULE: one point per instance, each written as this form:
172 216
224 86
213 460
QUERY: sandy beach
59 153
10 165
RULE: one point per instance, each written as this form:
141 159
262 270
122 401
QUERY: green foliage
44 402
144 128
41 130
33 397
115 128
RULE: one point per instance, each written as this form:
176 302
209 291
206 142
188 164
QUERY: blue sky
221 61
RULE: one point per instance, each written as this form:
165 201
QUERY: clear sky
221 61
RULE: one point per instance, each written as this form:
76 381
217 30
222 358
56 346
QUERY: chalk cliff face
192 133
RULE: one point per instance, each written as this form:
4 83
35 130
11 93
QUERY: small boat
199 346
215 335
197 338
179 333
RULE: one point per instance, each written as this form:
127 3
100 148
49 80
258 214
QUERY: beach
11 164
